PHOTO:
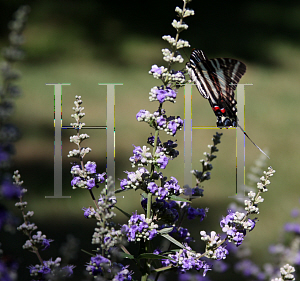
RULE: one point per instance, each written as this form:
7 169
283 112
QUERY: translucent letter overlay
57 140
110 135
110 130
240 137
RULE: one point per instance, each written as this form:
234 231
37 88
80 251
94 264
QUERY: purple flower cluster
181 234
141 179
87 177
162 73
135 179
235 226
186 259
249 269
214 248
292 227
51 269
141 157
168 189
193 213
167 147
100 266
83 176
9 190
165 211
160 121
157 71
139 228
162 94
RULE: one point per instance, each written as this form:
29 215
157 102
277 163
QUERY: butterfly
216 80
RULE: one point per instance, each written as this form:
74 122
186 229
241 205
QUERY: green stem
149 202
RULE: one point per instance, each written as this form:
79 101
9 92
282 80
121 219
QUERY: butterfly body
216 80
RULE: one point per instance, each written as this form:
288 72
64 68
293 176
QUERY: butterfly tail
252 140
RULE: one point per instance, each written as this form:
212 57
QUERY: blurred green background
89 42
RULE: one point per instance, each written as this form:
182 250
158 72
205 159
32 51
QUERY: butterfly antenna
252 140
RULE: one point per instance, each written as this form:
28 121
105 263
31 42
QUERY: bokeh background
89 42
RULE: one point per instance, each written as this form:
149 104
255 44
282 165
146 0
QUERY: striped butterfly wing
216 80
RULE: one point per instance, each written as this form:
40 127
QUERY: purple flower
165 94
8 269
162 192
88 212
152 187
156 69
220 266
98 260
186 260
46 243
188 277
123 183
123 275
97 263
4 155
75 168
182 233
124 228
161 95
206 267
238 238
248 268
9 190
295 213
143 115
138 224
163 161
221 252
251 223
172 126
191 213
292 227
151 140
68 270
90 183
161 121
157 251
90 167
172 186
135 217
75 180
100 177
131 232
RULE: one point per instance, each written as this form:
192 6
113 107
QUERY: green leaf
153 256
121 190
173 240
177 198
88 253
123 212
126 256
165 230
163 268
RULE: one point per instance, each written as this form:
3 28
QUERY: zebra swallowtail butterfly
216 80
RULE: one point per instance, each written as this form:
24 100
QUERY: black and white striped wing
216 80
